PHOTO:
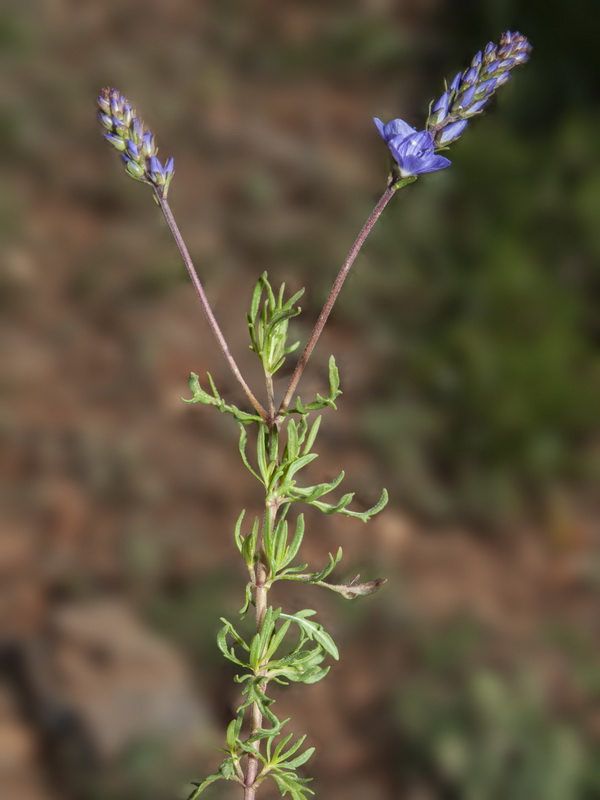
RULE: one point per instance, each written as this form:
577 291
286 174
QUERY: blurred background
467 338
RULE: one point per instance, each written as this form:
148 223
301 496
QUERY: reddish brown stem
335 290
162 201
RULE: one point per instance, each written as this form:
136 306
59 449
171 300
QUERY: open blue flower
412 150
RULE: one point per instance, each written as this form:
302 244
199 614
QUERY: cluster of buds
471 90
126 131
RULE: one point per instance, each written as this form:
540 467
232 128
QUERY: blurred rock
20 777
119 681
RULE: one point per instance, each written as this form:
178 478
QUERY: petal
471 76
380 127
156 166
467 98
455 83
397 127
435 162
412 152
442 103
452 131
478 105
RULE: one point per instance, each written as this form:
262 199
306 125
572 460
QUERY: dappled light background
467 339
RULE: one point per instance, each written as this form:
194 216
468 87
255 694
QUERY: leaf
300 760
226 649
239 539
261 453
313 434
315 631
293 445
290 783
233 733
260 640
316 675
200 396
334 379
242 448
248 600
277 639
249 544
309 494
280 755
200 787
365 516
299 464
294 545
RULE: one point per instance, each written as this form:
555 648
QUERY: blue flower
470 91
412 150
128 134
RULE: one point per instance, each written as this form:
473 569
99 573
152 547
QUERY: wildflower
470 91
126 131
412 150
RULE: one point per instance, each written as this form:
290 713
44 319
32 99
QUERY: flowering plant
291 646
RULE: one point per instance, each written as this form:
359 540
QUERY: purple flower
450 133
397 127
413 150
126 132
470 91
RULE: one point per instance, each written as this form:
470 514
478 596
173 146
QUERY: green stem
335 290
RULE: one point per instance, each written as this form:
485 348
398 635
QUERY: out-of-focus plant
291 646
483 737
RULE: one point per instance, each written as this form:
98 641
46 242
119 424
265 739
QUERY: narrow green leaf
300 760
315 631
299 464
334 379
261 453
256 295
249 544
248 600
294 545
216 394
292 446
312 435
315 675
277 639
242 448
308 494
200 787
289 753
237 532
365 516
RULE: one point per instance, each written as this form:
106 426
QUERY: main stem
335 290
260 601
165 208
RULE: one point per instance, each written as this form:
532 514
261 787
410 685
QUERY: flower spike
470 91
414 152
126 131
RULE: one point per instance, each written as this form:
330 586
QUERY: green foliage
286 647
480 735
268 324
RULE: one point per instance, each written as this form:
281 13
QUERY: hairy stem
335 290
260 601
164 205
